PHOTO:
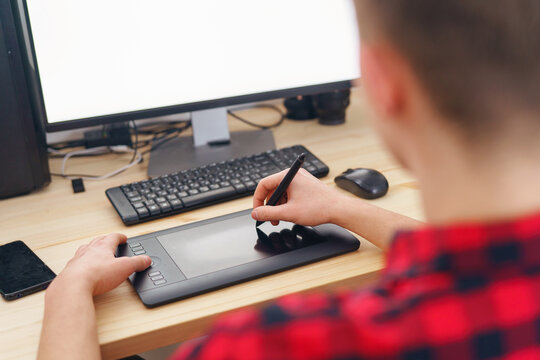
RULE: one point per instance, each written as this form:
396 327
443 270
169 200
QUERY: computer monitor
103 61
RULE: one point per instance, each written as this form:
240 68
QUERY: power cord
263 127
98 151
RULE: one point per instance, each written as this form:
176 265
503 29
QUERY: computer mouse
365 183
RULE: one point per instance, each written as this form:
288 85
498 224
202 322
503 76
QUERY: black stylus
284 184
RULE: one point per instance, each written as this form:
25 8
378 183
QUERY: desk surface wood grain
54 222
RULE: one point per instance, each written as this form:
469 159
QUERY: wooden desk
54 222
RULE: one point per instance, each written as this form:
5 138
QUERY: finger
280 200
306 173
271 213
113 240
80 250
274 222
126 266
96 239
266 185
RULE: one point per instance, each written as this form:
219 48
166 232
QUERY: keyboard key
209 196
176 204
164 207
251 185
138 205
182 194
142 212
240 188
204 189
154 210
214 186
193 191
135 199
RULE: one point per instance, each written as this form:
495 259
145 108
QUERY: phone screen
21 271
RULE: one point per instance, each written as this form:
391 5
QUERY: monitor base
180 153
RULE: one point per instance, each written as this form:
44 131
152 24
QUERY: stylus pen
284 184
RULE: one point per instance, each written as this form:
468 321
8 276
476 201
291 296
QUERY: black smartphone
21 271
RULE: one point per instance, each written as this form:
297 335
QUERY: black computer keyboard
206 185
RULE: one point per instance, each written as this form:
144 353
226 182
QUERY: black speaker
23 150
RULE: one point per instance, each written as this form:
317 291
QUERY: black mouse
366 183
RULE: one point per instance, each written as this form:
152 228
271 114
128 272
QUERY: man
456 88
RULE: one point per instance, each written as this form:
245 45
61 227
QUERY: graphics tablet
207 255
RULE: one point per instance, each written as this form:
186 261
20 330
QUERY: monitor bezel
38 104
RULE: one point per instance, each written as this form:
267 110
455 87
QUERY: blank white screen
104 57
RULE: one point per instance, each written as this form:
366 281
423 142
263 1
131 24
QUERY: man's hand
69 323
96 267
308 201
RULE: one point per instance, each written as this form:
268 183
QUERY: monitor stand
211 142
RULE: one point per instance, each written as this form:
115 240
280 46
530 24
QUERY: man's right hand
307 201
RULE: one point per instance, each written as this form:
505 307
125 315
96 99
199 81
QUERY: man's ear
382 78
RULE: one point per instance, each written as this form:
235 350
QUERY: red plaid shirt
461 292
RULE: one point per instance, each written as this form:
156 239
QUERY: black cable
68 144
136 145
264 127
73 175
159 141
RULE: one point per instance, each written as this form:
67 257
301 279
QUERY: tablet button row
137 248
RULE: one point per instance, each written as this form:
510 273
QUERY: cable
68 144
98 150
161 140
136 145
264 127
53 153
